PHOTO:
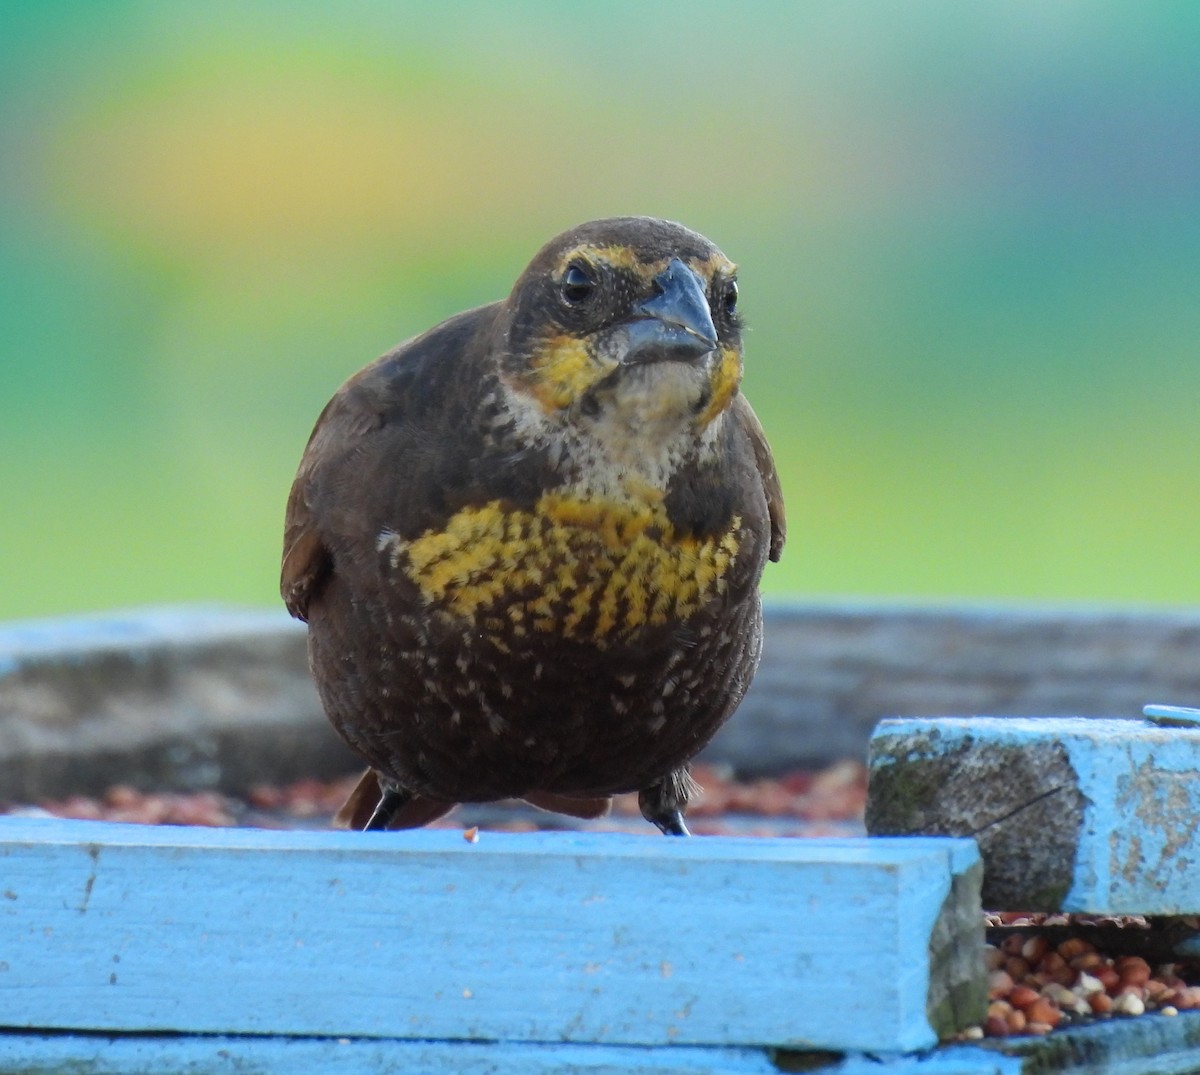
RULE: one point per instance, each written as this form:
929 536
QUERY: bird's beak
674 324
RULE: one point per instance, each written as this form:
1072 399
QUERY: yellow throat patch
563 370
584 568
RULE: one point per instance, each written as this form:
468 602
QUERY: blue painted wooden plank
1147 1045
1172 716
79 1054
536 937
1151 1045
953 1060
1094 816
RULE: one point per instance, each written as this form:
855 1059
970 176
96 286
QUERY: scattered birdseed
1035 986
829 802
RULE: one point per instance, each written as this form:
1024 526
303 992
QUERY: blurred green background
969 239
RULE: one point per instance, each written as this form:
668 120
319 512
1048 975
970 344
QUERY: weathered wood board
849 944
1095 816
188 698
831 671
200 697
1150 1045
76 1054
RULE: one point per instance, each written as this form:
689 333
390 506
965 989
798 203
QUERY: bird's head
626 331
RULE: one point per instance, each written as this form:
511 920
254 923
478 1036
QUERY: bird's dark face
626 332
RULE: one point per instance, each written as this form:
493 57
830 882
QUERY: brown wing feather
306 558
765 462
347 476
572 805
306 563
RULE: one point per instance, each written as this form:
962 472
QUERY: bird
528 542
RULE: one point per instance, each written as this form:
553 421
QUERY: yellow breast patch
582 568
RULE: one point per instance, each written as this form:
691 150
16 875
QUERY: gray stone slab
185 698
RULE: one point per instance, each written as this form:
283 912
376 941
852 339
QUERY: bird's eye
577 285
729 297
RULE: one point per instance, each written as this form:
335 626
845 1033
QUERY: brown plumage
528 542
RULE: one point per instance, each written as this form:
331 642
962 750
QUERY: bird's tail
357 810
596 806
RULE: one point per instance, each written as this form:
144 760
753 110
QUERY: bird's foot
671 824
662 804
391 802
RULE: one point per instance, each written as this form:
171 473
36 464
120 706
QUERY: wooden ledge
1095 816
539 937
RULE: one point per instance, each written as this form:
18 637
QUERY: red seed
1013 944
1133 970
1074 946
1052 963
1044 1011
1033 949
1016 968
122 797
999 984
265 797
1022 996
79 807
1156 990
995 1026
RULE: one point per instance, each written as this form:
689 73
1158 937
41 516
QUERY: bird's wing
307 561
765 463
368 457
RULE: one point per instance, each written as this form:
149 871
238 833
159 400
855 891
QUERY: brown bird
528 542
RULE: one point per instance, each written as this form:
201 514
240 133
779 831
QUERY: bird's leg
391 802
663 803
